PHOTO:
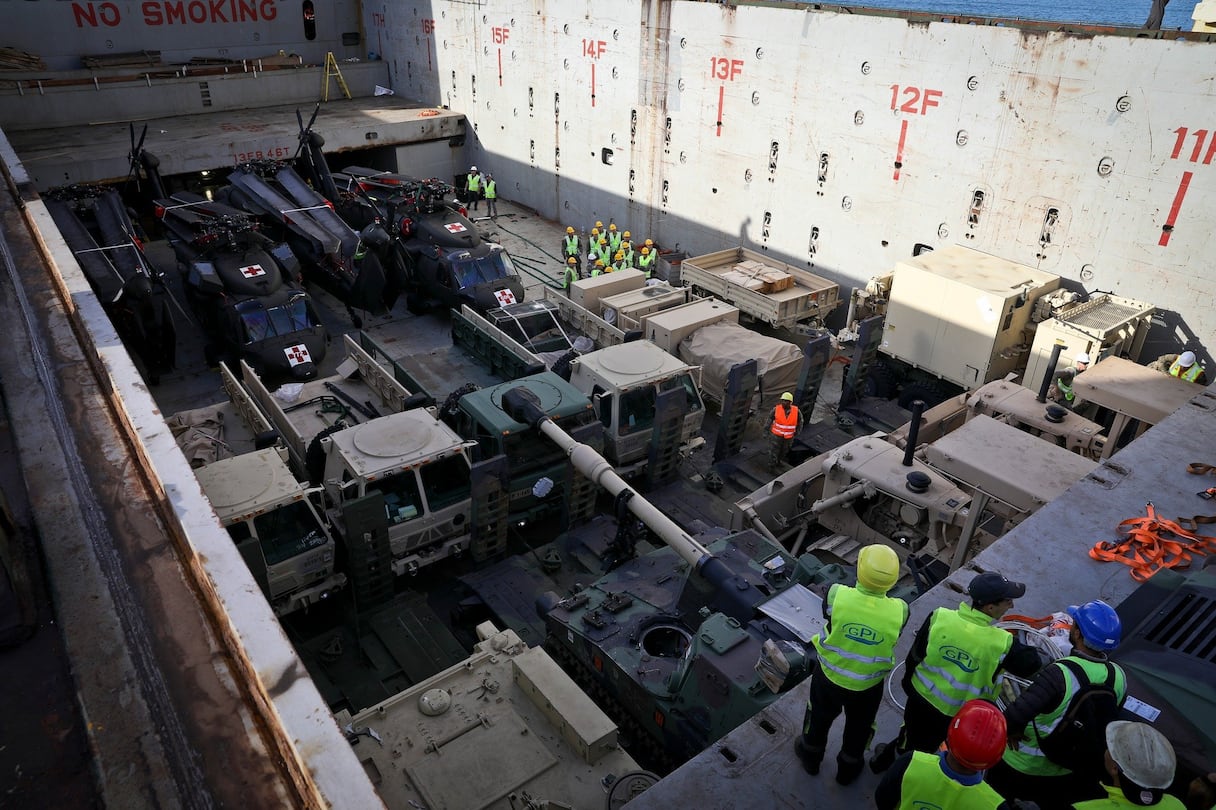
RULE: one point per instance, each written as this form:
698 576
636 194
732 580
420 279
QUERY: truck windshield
693 398
261 323
446 481
288 532
470 272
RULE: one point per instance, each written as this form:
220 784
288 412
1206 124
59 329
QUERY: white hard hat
472 168
1082 358
1142 752
1187 358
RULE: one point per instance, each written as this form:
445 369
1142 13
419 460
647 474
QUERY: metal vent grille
1186 623
1103 314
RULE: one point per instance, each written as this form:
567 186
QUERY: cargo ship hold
840 141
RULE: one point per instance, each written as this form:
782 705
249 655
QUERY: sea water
1097 12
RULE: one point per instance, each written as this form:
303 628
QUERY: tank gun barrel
523 406
850 493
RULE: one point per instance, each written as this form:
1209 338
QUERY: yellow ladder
331 70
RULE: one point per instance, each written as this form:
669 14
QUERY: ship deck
182 677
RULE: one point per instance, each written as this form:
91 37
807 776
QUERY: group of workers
1184 366
481 186
956 748
607 249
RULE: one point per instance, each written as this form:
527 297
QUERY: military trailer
766 290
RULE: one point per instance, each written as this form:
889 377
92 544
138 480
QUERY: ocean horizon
1124 13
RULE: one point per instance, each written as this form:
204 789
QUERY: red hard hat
977 735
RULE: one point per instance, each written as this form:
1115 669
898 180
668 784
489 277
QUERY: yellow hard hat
572 260
599 262
649 243
599 224
569 229
595 232
612 226
645 251
626 244
877 567
787 397
626 234
603 241
619 255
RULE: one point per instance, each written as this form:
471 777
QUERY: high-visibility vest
474 182
569 277
1190 374
1115 800
595 271
571 244
1025 756
964 652
1065 389
785 424
629 257
859 650
491 189
614 241
645 261
925 785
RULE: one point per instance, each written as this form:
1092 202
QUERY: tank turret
686 642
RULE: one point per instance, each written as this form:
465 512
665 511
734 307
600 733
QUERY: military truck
950 320
937 504
764 289
275 521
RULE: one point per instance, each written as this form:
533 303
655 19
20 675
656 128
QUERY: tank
686 642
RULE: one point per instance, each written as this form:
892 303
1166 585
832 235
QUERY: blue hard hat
1098 624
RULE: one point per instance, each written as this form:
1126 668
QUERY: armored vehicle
244 288
95 224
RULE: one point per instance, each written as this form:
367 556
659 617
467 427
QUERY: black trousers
1048 792
826 702
924 727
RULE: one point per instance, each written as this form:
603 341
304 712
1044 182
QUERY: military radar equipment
95 224
245 289
679 640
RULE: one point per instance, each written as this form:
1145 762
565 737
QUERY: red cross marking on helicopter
455 227
252 271
297 354
505 297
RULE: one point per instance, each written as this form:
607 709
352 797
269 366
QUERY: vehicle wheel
931 393
880 381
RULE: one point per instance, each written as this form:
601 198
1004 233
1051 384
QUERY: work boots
810 757
884 756
848 769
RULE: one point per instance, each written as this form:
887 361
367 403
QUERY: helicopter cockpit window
289 318
470 271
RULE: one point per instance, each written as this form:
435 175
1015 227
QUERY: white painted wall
1040 115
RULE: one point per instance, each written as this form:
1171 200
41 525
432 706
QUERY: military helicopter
245 288
441 253
95 224
436 251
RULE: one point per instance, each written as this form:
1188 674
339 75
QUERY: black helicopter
245 288
436 251
96 226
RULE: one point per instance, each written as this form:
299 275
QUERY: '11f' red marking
1200 136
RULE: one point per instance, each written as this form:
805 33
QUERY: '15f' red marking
1168 227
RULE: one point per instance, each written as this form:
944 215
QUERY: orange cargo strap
1151 543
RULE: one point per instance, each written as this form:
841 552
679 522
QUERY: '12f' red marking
916 100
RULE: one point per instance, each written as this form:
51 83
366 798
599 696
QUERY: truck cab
419 467
624 383
275 526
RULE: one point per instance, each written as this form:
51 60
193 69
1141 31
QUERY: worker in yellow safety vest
571 247
953 776
1140 765
569 274
614 238
472 187
599 268
855 651
646 260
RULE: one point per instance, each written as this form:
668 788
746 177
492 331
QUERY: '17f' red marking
917 101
